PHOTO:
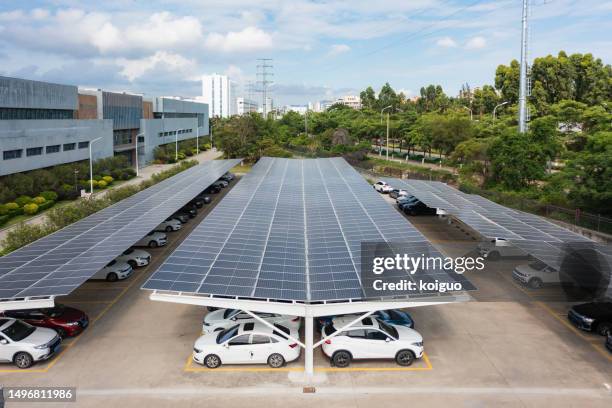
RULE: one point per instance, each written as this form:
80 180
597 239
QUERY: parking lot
510 346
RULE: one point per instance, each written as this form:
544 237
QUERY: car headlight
41 347
72 323
588 319
418 344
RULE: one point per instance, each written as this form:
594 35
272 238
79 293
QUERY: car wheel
276 360
168 229
404 357
112 277
341 358
535 283
23 360
212 361
132 263
153 244
604 328
494 256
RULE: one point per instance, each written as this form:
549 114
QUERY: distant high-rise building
246 105
219 92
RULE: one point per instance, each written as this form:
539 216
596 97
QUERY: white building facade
245 105
219 92
351 101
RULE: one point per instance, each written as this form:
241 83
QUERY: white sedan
382 187
221 319
114 271
134 257
371 339
247 343
153 239
171 224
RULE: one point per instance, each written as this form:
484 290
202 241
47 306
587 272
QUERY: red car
66 321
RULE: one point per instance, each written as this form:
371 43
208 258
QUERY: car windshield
538 265
18 330
390 330
229 313
282 331
227 334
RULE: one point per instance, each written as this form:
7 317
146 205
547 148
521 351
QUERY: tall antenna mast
523 84
263 79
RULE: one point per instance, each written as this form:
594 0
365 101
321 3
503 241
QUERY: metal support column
308 349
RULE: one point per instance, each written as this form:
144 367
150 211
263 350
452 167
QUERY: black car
212 190
609 342
418 208
198 202
190 209
406 200
206 199
183 217
593 316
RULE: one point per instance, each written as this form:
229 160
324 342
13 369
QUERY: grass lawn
241 168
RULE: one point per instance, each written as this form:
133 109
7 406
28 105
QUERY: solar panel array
290 230
60 262
542 239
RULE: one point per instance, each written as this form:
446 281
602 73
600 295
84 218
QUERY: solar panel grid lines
60 262
290 230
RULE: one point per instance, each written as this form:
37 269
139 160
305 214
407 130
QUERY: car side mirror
226 345
387 339
3 341
233 319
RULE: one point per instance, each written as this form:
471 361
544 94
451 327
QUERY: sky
321 49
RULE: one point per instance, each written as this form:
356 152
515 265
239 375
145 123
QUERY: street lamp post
137 167
497 106
91 164
76 179
381 116
471 114
197 138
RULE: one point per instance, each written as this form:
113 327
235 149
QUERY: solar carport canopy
58 263
291 230
535 235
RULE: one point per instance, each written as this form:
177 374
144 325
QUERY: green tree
507 81
368 98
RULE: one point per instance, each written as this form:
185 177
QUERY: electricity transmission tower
524 84
264 76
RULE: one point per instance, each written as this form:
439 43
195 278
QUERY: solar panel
290 230
58 263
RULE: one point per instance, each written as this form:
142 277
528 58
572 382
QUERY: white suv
247 343
536 274
382 187
500 248
114 271
221 319
153 239
134 257
23 344
371 339
171 224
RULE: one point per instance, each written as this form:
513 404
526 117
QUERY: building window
69 146
33 151
12 154
84 145
53 149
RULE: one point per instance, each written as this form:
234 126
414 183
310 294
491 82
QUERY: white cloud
161 60
338 49
39 14
475 43
249 39
446 42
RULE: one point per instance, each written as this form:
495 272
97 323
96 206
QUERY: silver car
23 344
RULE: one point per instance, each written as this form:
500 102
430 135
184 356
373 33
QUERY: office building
219 92
40 126
245 105
351 101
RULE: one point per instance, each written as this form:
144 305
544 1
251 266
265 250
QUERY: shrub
102 184
49 195
11 206
67 192
3 209
23 200
189 153
181 155
4 219
95 183
46 205
116 173
30 209
108 179
97 177
23 235
38 200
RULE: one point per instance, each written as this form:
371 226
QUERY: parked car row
232 336
407 203
594 317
